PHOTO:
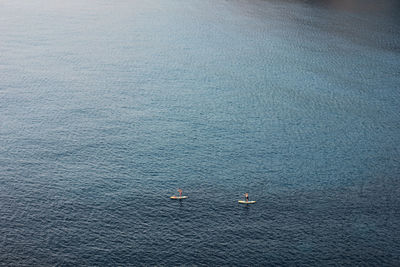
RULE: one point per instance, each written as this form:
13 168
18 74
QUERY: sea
107 108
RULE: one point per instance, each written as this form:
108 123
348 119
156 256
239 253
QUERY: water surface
106 108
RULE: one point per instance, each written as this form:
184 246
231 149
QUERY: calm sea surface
108 107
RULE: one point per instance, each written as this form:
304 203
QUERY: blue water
108 107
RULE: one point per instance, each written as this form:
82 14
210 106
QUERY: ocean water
108 107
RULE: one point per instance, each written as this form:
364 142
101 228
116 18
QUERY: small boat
179 197
246 202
